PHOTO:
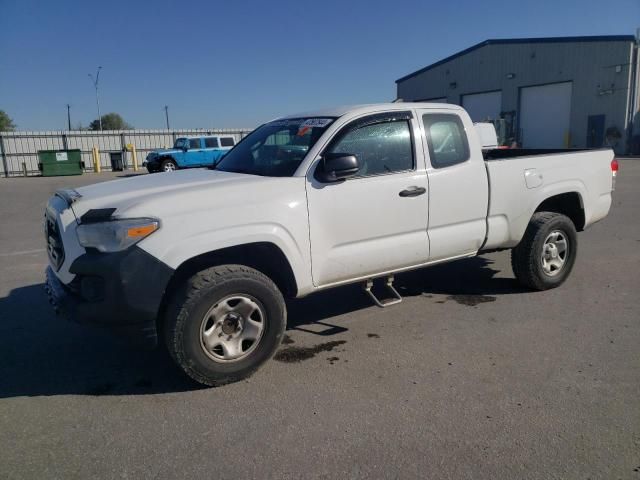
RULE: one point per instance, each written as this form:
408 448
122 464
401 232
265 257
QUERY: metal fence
19 150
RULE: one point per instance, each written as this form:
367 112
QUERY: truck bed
506 153
521 179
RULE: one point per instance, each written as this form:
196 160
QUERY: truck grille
55 248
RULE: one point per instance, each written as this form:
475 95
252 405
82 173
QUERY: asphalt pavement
471 376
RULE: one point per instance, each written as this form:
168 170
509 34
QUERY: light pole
166 115
68 117
95 84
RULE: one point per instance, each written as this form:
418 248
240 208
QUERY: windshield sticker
301 123
316 122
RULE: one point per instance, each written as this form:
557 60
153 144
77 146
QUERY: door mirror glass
337 166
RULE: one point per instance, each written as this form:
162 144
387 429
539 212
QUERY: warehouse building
542 92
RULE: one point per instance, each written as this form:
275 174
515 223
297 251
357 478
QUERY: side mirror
185 148
337 166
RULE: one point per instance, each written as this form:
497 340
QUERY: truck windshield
275 149
180 143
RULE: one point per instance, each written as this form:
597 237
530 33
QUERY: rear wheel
225 323
168 165
545 256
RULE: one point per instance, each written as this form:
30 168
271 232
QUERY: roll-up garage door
483 106
545 113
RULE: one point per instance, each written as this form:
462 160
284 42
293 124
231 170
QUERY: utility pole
95 81
166 115
68 117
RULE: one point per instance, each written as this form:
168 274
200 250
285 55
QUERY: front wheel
168 165
225 323
545 256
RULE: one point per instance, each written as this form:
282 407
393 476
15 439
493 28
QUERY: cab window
227 142
446 138
381 148
194 143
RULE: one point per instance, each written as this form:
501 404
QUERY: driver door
195 156
376 221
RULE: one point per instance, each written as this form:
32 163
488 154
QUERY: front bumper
152 165
121 291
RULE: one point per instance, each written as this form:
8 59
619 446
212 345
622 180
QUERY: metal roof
502 41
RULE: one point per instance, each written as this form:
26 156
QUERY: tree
110 121
6 124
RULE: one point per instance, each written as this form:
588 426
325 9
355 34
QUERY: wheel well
569 204
263 256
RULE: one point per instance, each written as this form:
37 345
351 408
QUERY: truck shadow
44 355
41 354
469 282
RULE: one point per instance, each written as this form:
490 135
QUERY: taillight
614 172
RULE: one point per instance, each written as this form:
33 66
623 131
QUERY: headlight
115 235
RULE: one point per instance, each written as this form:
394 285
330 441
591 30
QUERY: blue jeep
189 152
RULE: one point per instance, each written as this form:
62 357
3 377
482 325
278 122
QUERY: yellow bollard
96 159
135 158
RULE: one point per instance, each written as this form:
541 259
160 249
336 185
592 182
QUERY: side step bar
383 303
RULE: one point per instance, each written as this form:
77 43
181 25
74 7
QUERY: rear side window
446 138
227 142
194 143
211 142
380 148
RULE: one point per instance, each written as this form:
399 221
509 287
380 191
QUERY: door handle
413 192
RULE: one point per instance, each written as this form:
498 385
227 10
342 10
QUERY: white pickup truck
204 258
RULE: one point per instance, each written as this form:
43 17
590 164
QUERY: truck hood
127 194
162 151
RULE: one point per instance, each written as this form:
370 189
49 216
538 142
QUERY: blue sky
236 64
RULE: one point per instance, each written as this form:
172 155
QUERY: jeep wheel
168 165
225 323
545 256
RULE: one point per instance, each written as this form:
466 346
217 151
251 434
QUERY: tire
533 260
168 165
208 317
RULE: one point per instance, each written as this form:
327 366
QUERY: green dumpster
59 162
